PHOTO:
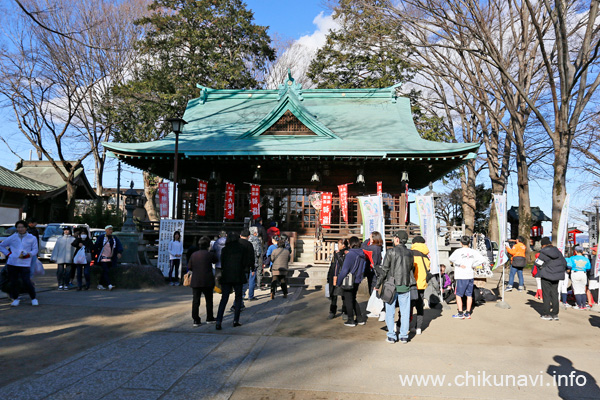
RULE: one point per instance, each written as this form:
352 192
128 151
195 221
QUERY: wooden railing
193 228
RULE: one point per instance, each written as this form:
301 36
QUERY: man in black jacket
551 265
249 259
234 272
399 264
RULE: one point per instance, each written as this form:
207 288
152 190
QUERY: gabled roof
13 181
346 123
43 171
537 215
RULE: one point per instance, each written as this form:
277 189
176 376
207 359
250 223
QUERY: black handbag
388 290
348 282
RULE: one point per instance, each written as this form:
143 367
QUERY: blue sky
289 19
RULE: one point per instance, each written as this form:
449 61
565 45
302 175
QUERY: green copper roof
13 180
345 122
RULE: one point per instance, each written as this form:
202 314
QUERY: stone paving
287 349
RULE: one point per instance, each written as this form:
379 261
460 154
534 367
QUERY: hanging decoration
229 201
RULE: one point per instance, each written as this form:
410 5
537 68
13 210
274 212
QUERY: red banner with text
229 201
379 188
343 189
255 200
201 209
163 199
326 198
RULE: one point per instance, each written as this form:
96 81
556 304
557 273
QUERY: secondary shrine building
294 142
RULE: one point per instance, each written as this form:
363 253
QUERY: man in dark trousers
234 270
551 265
249 258
399 264
107 250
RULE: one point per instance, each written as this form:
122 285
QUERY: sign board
167 228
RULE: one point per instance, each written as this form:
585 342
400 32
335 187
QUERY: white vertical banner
428 223
561 237
167 228
501 214
371 208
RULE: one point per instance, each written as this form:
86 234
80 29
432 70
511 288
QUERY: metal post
118 184
175 191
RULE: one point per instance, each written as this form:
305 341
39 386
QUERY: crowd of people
235 263
400 279
73 253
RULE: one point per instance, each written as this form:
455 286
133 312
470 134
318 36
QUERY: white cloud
301 52
316 40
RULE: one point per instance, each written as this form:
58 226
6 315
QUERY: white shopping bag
327 294
374 306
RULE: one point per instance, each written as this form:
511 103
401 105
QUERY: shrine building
294 142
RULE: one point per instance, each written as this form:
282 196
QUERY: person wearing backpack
354 268
399 264
420 253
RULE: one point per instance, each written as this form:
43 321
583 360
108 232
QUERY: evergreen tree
369 52
186 42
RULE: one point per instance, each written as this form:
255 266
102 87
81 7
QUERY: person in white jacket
63 255
465 260
23 248
175 252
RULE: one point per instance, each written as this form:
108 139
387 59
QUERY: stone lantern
129 236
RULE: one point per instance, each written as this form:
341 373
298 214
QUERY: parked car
51 233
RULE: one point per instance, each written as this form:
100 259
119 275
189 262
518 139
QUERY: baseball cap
108 227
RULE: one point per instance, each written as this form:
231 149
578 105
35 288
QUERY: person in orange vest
517 264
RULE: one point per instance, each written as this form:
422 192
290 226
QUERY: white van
54 231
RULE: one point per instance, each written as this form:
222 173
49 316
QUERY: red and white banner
343 189
229 201
379 188
255 200
326 209
163 199
201 209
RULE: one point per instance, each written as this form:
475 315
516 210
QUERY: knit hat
545 241
418 239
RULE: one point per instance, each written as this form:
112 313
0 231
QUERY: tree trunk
150 192
71 189
559 189
469 200
99 173
524 199
493 231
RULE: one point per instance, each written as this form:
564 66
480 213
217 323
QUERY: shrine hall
295 143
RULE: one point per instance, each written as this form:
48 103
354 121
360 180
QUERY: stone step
301 274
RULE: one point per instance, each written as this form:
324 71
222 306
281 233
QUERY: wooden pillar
401 216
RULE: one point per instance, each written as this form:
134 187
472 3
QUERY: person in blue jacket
107 250
354 263
579 266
